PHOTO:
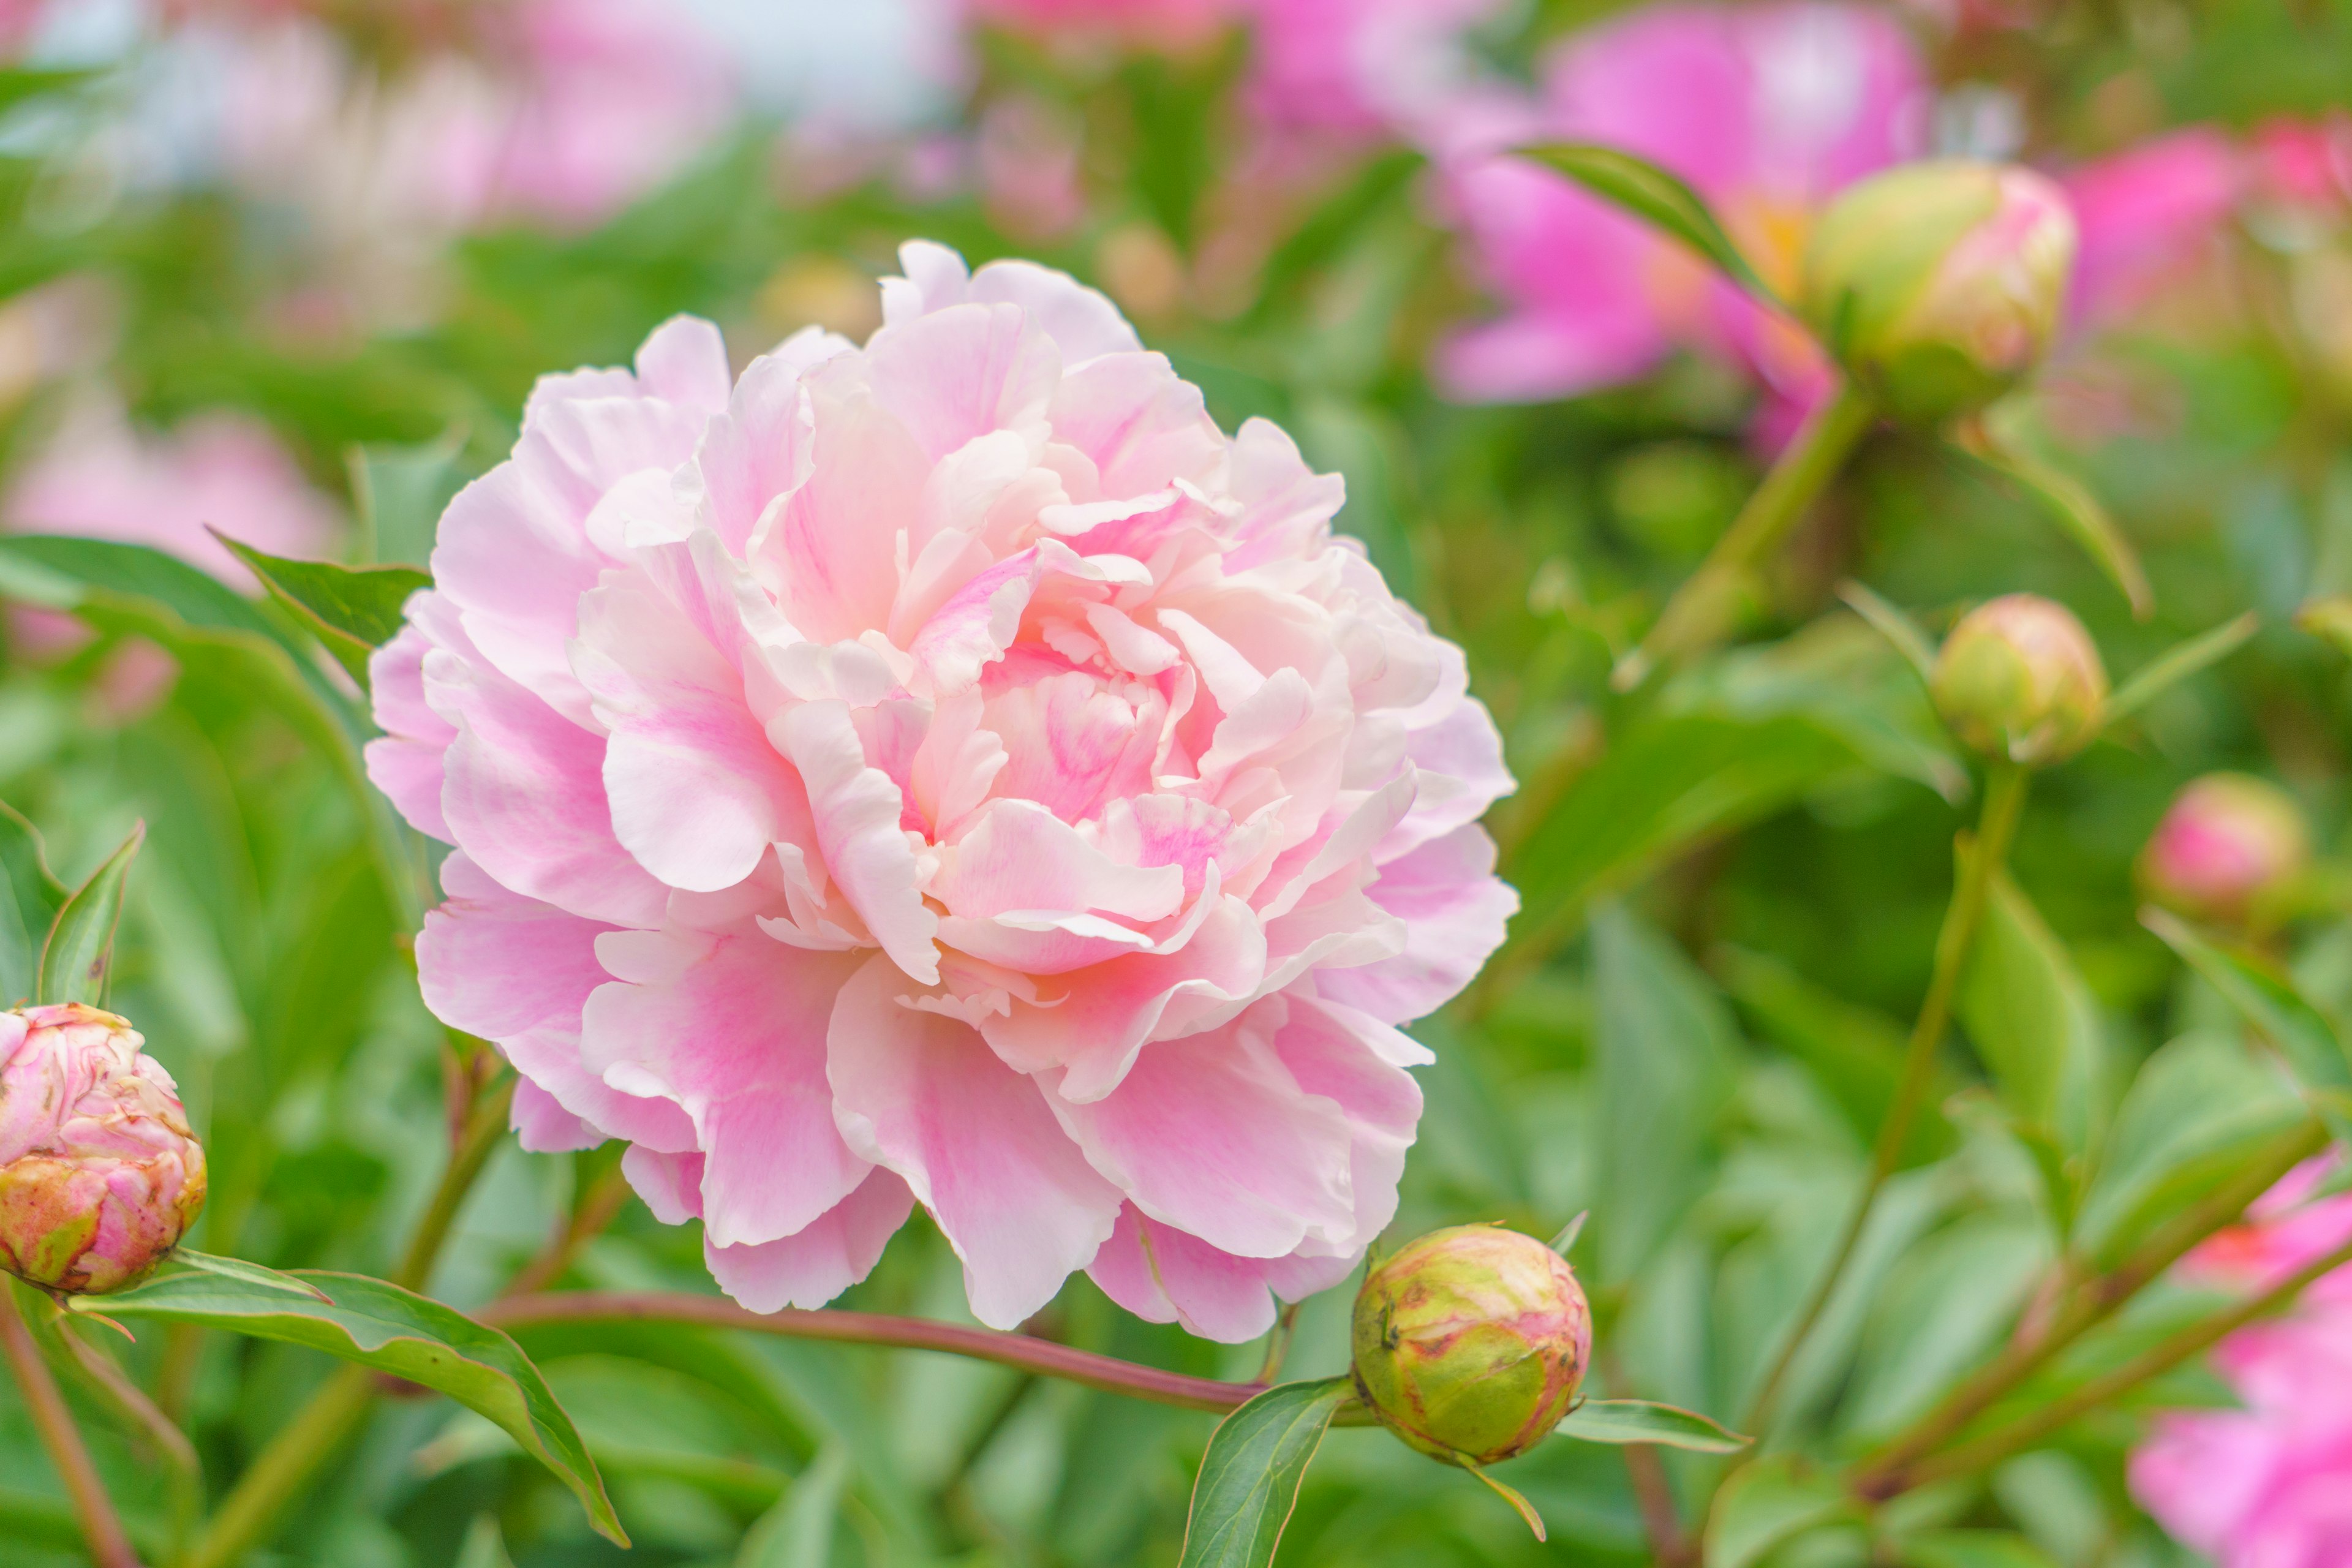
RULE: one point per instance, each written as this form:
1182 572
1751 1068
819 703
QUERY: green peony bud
1471 1343
1940 285
2019 679
2230 843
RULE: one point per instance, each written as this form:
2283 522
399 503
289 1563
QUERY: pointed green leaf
799 1528
1511 1495
2068 502
2274 1008
1971 1548
237 1269
2031 1018
1658 198
2170 668
1620 1421
1896 627
1249 1478
383 1326
35 896
351 610
81 939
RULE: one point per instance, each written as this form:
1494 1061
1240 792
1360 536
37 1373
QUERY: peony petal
856 810
1455 913
814 1265
922 1095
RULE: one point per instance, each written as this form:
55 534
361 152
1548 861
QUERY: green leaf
1622 1421
81 939
1765 1503
2033 1020
351 610
2169 669
2194 1113
389 1329
1971 1548
1665 1045
799 1530
1901 632
237 1269
35 896
1658 198
2067 501
1249 1478
1943 1305
400 493
20 83
2275 1009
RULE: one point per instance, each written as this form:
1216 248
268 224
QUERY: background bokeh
288 270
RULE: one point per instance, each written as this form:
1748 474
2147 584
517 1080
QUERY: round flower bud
1471 1341
2227 841
99 1173
1940 285
2019 679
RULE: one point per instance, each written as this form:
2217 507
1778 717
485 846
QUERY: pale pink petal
541 1125
1456 911
856 810
1141 425
405 762
922 1095
732 1028
953 376
815 1264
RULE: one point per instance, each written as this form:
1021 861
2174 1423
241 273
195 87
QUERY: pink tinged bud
1471 1343
1940 285
2228 842
2019 679
99 1175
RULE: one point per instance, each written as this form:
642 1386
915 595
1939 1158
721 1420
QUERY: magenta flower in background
1767 112
1150 24
950 770
1362 67
2268 1484
2144 215
99 479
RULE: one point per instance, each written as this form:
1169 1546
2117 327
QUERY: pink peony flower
1767 112
950 770
1361 67
102 479
1150 24
2268 1484
2145 214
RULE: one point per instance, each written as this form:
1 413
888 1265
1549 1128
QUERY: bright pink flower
2268 1484
947 771
1767 112
100 479
1359 67
1156 24
2144 213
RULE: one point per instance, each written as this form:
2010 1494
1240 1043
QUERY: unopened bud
1940 285
2019 679
98 1174
1471 1343
2228 842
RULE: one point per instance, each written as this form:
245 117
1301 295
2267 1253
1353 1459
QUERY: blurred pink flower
1152 24
102 479
950 771
2268 1484
1767 112
2144 215
1361 67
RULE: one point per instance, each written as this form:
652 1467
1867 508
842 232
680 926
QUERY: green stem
102 1527
1277 1343
1024 1351
1981 861
2097 1300
319 1428
2154 1362
598 1203
285 1466
1706 607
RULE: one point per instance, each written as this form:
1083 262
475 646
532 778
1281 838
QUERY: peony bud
2019 679
2227 841
99 1173
1940 285
1470 1343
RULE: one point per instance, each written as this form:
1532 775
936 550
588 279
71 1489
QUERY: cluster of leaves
1732 883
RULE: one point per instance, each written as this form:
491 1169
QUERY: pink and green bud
99 1175
1471 1343
2019 679
2229 845
1940 285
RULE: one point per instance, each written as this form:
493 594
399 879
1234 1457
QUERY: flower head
98 1174
1471 1343
2227 841
1940 284
947 771
2019 679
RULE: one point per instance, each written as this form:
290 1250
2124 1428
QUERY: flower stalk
1980 859
102 1527
1707 607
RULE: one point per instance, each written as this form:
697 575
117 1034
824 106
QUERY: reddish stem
101 1528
